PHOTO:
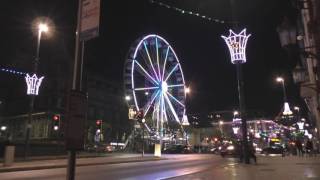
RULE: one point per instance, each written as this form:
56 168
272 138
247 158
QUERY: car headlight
230 148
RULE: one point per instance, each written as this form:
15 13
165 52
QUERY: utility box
9 155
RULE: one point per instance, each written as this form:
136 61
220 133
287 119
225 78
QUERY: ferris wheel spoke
175 99
146 88
171 108
172 70
165 62
154 71
176 85
157 47
146 73
148 105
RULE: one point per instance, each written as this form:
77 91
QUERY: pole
242 114
32 97
284 92
71 165
142 140
72 153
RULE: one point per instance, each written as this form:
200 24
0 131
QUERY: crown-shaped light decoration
185 121
33 84
286 110
237 46
300 125
235 129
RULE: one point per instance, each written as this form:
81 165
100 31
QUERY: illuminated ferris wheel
155 83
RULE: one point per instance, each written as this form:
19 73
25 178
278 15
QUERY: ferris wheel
154 82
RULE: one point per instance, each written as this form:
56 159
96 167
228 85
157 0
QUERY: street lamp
237 47
185 123
187 90
286 108
127 98
3 128
143 121
33 83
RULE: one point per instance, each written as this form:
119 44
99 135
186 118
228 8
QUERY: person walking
251 152
309 147
299 147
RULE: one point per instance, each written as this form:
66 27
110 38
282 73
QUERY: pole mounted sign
90 17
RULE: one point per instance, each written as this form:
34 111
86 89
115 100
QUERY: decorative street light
33 82
237 47
286 108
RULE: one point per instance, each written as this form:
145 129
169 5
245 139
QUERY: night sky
202 52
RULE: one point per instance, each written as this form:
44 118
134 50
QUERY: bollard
9 155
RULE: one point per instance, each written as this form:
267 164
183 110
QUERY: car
274 149
228 149
178 149
99 148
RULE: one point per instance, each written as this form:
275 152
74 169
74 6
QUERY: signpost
90 17
87 28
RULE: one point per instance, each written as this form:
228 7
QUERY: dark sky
202 52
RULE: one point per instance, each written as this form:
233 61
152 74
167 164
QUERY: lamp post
286 108
237 48
185 122
143 121
33 83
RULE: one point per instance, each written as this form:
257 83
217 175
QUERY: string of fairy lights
12 71
187 12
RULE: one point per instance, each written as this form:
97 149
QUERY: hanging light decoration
237 46
33 84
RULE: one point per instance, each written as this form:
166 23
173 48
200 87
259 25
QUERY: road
173 166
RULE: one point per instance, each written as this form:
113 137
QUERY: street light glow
128 98
220 122
280 79
187 90
235 113
43 27
296 108
3 128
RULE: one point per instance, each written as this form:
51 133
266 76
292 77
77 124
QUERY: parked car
178 149
275 149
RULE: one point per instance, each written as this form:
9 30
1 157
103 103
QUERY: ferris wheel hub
164 87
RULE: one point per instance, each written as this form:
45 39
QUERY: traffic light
56 121
99 125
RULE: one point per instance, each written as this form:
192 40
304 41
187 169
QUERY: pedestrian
251 152
309 147
299 147
239 150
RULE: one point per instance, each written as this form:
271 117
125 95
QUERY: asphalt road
174 166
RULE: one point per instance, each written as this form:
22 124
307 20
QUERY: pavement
51 162
267 168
